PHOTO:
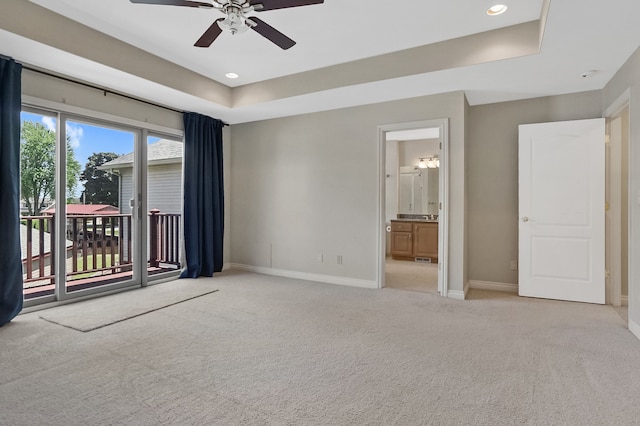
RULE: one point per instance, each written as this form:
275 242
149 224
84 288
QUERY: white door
561 210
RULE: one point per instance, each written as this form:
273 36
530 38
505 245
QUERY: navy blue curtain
203 195
10 254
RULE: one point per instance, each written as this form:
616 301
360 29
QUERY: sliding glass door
100 223
80 208
38 135
101 205
164 205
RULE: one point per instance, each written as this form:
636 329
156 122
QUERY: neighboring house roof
86 209
163 151
35 242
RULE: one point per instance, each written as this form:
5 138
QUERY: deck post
154 262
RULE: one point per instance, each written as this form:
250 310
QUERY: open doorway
617 212
412 232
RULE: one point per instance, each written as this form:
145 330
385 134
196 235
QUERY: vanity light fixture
429 163
496 10
433 163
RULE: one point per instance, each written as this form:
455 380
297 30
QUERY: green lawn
98 264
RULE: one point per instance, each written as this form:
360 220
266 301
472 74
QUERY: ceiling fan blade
281 4
270 33
175 3
210 35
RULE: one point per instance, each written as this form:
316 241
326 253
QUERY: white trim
618 105
381 224
614 109
495 286
329 279
459 295
83 112
443 211
443 223
613 222
456 295
634 328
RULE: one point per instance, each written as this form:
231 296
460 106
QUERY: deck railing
37 264
95 245
164 239
101 244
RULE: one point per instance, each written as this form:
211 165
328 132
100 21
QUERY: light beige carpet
97 313
273 351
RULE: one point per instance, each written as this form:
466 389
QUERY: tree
101 186
38 166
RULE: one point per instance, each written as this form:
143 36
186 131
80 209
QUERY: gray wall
308 184
628 78
75 95
492 173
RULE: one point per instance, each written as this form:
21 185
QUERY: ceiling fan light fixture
234 23
497 9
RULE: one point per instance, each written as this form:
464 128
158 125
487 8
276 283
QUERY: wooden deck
90 282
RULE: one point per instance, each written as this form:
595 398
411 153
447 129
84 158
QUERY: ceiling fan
236 20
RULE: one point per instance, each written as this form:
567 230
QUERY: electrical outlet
514 265
339 260
320 258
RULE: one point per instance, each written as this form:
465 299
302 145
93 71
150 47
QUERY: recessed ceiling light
496 10
232 75
588 74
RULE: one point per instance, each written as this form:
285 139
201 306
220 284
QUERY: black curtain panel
203 195
10 254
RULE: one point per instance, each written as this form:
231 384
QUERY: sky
87 139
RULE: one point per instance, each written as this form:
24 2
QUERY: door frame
62 112
443 215
613 234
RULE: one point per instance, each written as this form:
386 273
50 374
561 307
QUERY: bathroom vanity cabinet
411 240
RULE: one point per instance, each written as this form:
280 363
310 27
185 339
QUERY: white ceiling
579 35
335 32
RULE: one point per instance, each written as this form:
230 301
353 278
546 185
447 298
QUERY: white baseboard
624 300
457 294
489 285
329 279
634 328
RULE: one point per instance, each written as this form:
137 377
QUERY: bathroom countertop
415 220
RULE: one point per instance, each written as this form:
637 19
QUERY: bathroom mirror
418 191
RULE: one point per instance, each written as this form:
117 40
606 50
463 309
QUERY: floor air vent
423 259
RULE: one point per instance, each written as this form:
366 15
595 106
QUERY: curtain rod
103 90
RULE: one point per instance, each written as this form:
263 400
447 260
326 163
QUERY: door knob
525 219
